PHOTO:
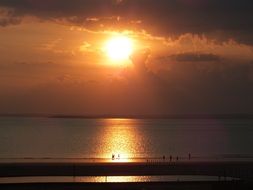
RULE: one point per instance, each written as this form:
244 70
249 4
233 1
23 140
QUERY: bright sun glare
119 48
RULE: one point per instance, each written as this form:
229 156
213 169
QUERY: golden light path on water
120 142
110 179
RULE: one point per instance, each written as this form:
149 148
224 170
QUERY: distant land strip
124 116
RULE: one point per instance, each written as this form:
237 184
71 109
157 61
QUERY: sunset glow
119 48
131 94
126 57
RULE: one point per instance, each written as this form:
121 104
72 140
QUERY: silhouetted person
163 158
189 156
118 156
113 156
170 158
177 158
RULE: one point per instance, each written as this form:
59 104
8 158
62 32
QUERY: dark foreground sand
232 185
239 170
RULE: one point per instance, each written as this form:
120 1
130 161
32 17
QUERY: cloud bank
223 18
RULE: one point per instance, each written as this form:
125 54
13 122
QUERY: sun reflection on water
119 141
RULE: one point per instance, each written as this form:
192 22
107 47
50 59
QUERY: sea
119 139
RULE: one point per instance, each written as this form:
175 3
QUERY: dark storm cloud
61 8
235 17
195 57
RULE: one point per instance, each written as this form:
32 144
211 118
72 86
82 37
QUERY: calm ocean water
131 138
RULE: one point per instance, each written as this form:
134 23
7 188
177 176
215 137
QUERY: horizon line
135 116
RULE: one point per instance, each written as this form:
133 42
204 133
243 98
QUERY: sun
119 48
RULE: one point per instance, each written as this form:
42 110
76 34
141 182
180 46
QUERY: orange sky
53 62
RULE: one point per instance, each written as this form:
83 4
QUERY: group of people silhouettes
177 158
170 158
114 157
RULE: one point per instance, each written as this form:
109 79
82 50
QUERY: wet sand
240 170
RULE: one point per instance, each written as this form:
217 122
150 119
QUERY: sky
189 57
